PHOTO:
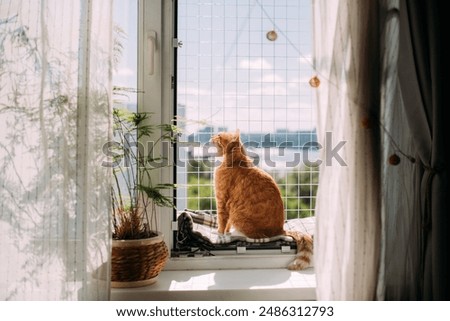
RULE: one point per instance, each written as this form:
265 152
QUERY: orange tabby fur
249 199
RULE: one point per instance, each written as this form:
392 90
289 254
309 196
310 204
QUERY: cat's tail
304 256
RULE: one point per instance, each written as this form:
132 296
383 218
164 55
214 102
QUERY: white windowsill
219 285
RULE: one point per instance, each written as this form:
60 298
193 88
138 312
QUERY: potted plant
139 252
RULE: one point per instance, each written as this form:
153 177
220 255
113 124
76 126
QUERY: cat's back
255 203
246 175
249 186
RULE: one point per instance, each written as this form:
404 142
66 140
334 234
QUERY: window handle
151 46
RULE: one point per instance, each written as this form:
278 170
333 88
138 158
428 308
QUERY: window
231 75
246 65
238 64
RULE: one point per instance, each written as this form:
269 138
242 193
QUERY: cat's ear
237 134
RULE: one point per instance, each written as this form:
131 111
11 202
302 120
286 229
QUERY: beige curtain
347 240
399 260
54 119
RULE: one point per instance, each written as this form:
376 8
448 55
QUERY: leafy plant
135 192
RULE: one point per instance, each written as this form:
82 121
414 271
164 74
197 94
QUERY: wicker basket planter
137 262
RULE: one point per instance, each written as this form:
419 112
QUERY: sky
125 72
229 73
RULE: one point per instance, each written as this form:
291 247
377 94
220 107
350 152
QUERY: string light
394 159
272 35
314 82
365 123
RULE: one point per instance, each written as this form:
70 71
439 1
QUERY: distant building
282 138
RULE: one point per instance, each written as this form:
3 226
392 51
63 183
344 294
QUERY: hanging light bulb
272 35
314 82
394 159
365 122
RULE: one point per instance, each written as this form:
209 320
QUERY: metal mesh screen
246 64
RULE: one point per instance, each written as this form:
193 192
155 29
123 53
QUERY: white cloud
295 82
272 78
258 63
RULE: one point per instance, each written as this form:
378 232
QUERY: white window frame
155 24
156 19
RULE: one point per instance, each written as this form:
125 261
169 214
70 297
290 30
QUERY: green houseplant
139 252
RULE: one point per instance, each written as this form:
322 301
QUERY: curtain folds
421 75
416 241
347 239
400 221
55 80
382 230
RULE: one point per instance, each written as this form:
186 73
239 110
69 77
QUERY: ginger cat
249 199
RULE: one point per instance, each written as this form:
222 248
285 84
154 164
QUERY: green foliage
299 190
155 194
199 168
200 193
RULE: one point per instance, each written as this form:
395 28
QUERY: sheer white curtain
348 210
54 119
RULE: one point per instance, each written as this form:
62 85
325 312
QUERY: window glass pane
246 65
125 53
